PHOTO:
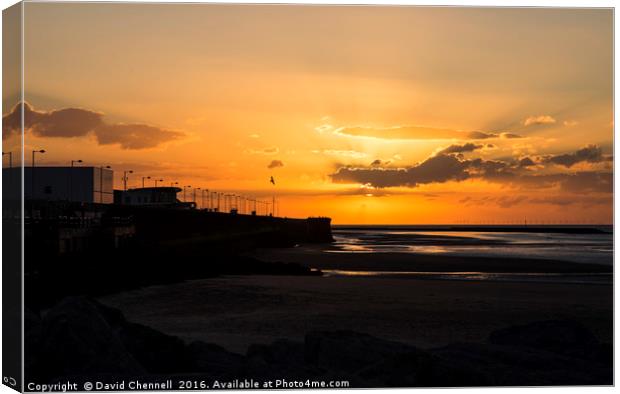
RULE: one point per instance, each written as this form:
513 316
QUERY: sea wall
175 227
72 227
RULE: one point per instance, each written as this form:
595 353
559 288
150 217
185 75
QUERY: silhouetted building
164 196
77 184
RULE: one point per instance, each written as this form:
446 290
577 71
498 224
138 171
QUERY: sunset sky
364 114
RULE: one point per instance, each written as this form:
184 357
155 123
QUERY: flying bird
272 181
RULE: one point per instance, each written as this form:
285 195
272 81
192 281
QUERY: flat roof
158 188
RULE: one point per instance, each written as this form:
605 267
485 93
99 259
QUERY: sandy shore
235 312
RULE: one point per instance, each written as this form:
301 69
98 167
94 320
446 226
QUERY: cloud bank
451 165
80 122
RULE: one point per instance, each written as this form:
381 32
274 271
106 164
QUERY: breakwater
58 228
96 249
173 227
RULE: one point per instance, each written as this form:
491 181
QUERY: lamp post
10 154
101 183
125 178
218 201
158 180
143 178
184 193
196 188
32 175
203 198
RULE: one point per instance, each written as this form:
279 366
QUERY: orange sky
366 114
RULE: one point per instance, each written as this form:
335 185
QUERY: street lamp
10 158
197 188
203 199
125 178
184 193
158 180
143 178
32 175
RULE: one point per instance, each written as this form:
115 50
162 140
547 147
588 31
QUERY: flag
272 181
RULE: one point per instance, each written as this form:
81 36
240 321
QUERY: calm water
579 248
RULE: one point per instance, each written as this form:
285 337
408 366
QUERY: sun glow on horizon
383 115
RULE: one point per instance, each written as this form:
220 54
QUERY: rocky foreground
80 339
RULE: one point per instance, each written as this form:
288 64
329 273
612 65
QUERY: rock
214 360
157 352
281 351
282 358
420 368
348 351
75 339
558 336
500 365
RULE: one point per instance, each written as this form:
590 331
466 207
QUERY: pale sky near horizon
364 114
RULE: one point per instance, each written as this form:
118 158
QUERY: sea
578 244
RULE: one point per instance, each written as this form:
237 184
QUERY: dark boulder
348 351
282 358
500 365
565 337
74 338
421 368
214 360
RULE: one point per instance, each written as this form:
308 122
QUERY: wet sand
235 312
316 256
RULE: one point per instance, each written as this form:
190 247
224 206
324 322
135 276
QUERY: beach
376 282
235 312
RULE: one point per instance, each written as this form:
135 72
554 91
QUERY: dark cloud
479 135
510 135
441 168
413 133
526 162
66 122
134 135
275 164
452 166
79 122
468 147
589 153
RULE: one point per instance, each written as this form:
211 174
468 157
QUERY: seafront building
77 184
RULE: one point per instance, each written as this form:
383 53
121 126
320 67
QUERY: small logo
88 386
